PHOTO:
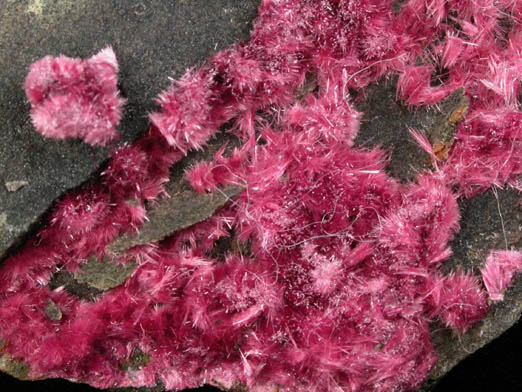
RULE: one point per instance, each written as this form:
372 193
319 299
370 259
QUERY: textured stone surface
13 367
386 123
153 39
181 210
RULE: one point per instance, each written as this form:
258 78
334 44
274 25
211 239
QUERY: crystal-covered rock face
320 272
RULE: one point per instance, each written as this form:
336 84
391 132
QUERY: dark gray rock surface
153 40
386 123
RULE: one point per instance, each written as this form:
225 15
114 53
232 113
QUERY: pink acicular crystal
500 270
342 276
75 98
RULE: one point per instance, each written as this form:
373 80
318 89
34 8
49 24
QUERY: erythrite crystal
331 273
76 98
499 272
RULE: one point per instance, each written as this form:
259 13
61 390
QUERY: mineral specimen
335 275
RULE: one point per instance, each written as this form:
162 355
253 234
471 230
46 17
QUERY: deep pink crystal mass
76 98
343 275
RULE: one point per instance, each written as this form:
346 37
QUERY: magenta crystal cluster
341 278
76 98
